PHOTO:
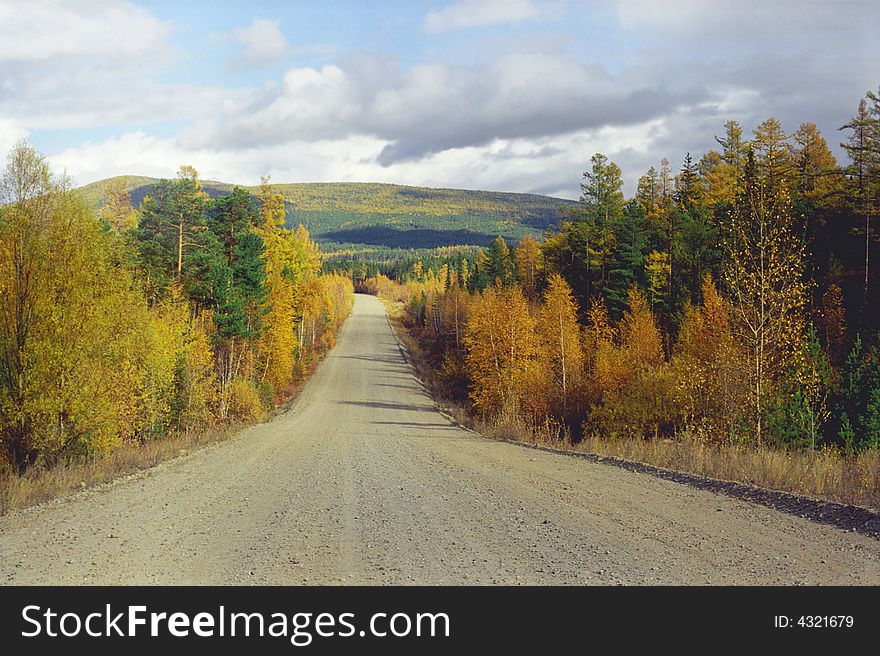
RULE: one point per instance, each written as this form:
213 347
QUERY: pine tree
236 272
628 267
734 148
170 230
647 191
687 193
499 266
856 424
860 146
603 202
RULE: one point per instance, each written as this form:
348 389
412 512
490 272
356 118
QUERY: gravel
363 481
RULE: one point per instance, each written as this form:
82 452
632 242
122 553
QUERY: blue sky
512 95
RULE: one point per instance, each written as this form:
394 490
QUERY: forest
359 222
133 324
735 301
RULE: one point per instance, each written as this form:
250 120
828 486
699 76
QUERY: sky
505 95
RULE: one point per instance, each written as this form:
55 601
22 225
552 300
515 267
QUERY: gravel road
364 482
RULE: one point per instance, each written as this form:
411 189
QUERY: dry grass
40 484
823 474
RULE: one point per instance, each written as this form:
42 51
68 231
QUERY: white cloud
435 106
93 64
139 153
261 42
479 13
549 165
10 134
51 29
524 119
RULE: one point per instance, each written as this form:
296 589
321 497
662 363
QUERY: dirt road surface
364 482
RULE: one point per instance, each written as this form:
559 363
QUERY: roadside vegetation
724 321
132 333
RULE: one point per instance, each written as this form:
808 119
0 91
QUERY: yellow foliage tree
710 368
560 347
528 265
277 343
500 343
633 377
763 273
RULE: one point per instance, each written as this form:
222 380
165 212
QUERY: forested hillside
732 303
359 221
129 325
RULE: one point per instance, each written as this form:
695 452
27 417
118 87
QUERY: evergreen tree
628 267
863 148
172 222
499 266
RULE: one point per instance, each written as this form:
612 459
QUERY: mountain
358 216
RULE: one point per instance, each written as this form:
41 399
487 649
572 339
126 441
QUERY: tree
818 177
636 398
687 185
657 272
666 221
628 265
605 369
698 253
567 252
80 365
528 265
818 194
28 197
734 148
711 371
799 411
500 343
237 289
172 224
277 343
499 265
561 352
718 180
640 337
763 276
603 201
117 211
860 146
772 154
857 401
601 187
647 191
722 171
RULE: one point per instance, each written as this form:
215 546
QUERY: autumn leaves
184 313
